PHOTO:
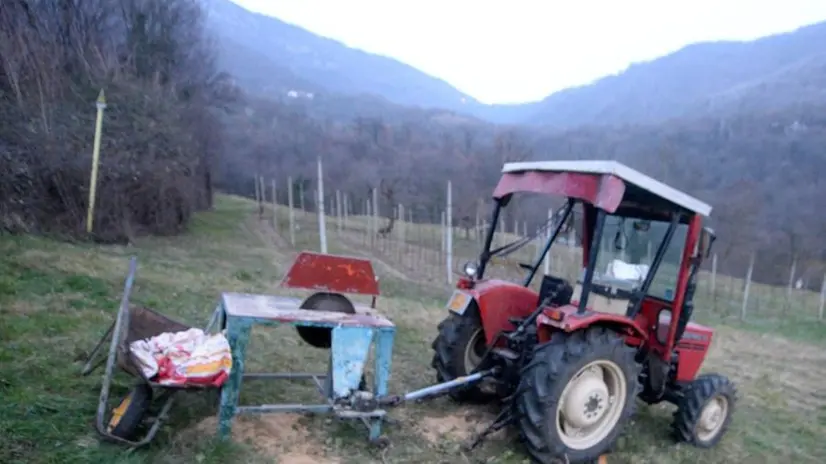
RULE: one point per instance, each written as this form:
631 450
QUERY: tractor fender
498 301
566 319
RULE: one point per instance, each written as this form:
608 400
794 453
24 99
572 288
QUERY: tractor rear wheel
459 348
705 410
576 395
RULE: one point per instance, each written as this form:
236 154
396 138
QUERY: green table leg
384 358
238 335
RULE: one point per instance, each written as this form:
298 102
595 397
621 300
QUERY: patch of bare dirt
460 425
277 436
20 308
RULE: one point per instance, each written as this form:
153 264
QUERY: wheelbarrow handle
91 364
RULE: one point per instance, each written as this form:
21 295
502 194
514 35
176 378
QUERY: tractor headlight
470 269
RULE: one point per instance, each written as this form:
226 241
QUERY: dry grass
56 299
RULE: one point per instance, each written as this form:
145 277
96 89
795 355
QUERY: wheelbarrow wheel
130 413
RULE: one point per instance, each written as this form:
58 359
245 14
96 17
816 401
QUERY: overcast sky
522 50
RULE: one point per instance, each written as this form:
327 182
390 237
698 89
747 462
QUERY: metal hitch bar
437 389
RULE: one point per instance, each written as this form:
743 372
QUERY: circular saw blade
321 337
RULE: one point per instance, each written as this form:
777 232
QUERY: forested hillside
740 124
762 173
311 63
162 133
701 80
195 105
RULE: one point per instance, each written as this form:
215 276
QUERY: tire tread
535 401
448 348
690 406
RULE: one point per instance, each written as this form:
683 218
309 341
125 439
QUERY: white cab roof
617 169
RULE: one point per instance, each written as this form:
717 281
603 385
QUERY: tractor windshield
627 249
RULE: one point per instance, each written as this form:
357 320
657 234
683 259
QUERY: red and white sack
184 358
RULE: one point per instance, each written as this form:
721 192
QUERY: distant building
300 94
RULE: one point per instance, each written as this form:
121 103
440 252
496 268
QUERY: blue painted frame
348 355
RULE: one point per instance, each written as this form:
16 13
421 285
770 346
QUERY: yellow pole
90 212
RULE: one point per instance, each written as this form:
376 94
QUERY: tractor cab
642 245
578 352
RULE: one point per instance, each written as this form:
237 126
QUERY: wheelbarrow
133 323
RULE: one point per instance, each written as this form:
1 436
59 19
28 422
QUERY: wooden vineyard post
262 200
393 234
291 206
415 237
345 217
274 206
411 236
375 218
301 197
424 240
368 223
746 289
258 196
714 282
322 219
822 299
401 219
442 236
478 232
526 234
449 230
547 235
792 271
93 177
516 229
504 225
339 215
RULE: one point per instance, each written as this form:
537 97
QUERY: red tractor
571 359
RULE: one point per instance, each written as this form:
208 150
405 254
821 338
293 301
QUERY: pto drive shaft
437 389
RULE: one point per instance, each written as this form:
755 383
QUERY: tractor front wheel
576 395
705 410
459 348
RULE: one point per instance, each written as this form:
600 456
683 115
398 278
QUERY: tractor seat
551 284
608 295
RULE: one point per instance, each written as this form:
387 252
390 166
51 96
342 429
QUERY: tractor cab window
627 250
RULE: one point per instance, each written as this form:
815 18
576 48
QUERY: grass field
57 299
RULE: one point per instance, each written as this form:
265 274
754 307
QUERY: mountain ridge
701 78
327 62
674 85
